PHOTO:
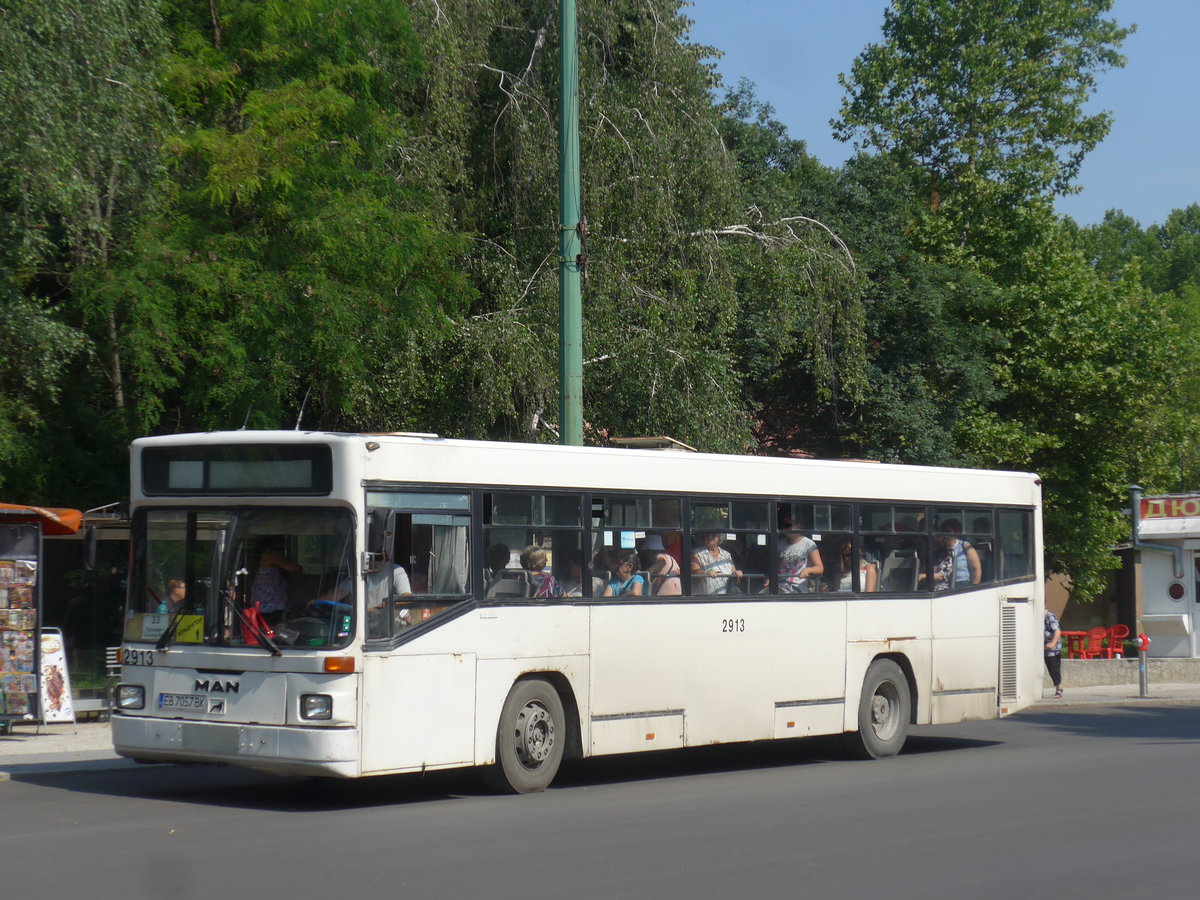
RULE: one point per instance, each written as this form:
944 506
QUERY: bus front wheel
883 712
529 739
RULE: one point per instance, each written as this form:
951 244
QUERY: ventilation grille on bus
1008 654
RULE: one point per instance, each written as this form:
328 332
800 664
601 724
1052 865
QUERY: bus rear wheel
529 739
884 709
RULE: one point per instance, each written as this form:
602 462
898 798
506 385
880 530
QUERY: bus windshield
242 577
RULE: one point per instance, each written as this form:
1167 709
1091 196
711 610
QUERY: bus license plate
197 702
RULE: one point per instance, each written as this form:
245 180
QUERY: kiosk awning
52 520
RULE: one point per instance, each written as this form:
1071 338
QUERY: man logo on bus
217 687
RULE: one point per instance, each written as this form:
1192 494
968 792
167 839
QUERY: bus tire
883 713
529 739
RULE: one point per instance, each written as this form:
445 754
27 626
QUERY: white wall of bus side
642 676
720 668
656 676
435 702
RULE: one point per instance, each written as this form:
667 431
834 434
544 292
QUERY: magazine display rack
20 551
21 640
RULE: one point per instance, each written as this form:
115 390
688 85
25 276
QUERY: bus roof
418 458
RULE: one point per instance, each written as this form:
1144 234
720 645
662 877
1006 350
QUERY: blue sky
793 50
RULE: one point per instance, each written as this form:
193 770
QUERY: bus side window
728 547
1014 534
801 527
896 537
426 534
980 537
646 525
534 546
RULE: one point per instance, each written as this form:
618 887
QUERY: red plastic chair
1116 641
1094 643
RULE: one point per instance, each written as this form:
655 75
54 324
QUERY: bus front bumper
283 750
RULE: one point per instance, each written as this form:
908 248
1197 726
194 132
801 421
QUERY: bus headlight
316 706
131 696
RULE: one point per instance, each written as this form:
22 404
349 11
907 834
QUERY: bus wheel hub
535 727
881 710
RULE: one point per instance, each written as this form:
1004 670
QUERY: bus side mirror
89 548
381 530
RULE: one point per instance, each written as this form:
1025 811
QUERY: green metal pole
570 244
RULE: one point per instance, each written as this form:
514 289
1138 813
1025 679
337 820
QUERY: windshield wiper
168 634
264 639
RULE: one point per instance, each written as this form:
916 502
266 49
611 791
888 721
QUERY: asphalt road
1094 801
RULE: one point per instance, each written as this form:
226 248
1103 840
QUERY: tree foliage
657 296
1087 378
308 232
987 97
1164 258
1031 358
83 118
80 163
344 216
801 335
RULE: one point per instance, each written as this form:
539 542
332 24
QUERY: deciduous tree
987 97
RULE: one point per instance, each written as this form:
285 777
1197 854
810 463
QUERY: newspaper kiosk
21 677
1170 579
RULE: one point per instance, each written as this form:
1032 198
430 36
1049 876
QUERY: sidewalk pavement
87 746
1101 695
32 750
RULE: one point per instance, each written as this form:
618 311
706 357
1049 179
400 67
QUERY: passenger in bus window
662 567
605 560
955 561
544 586
572 582
982 541
841 569
383 581
176 593
713 571
603 567
799 559
498 556
270 586
943 566
625 581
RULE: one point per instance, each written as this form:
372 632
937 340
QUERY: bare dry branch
533 277
791 238
604 118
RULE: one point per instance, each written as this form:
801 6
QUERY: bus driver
384 580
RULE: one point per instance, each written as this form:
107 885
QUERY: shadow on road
235 788
1147 723
940 743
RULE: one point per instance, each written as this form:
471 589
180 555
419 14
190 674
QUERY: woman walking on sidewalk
1053 643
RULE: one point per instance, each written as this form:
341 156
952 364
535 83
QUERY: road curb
1052 703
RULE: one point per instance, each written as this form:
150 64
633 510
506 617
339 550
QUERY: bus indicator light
340 664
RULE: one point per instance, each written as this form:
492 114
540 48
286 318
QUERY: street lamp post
570 241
